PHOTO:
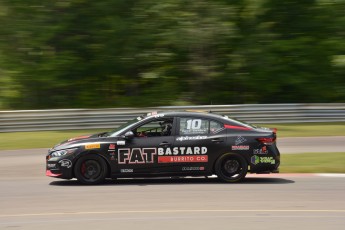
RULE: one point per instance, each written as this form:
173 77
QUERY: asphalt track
30 200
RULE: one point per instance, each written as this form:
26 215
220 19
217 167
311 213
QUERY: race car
168 144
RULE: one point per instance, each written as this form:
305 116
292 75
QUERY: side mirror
129 135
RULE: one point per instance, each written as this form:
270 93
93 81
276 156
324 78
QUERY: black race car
168 144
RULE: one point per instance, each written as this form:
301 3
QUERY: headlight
63 152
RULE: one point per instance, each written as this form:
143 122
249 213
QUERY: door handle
164 144
217 140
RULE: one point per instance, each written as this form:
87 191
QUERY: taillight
266 140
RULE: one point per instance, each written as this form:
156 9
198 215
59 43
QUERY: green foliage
83 53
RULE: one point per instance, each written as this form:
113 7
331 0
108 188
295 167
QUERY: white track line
331 174
176 211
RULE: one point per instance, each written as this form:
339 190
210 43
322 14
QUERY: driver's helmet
166 128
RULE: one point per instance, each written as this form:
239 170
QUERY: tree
83 53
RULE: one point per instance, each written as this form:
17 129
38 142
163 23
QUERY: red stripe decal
182 159
49 173
78 138
236 127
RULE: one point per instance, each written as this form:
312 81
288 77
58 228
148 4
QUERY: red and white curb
331 174
282 175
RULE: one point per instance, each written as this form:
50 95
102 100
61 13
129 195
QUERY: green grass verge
47 139
309 129
44 139
313 163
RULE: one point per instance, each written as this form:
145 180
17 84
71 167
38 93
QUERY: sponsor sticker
65 163
215 131
112 146
240 140
240 147
155 114
93 146
51 165
126 170
254 160
269 160
190 138
265 160
165 155
121 142
152 113
182 151
193 168
136 155
182 159
263 150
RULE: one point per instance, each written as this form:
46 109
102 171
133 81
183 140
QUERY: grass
47 139
42 139
309 129
313 163
291 163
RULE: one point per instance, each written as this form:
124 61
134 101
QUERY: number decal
194 124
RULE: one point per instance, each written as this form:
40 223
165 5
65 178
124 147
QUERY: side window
158 127
215 127
193 126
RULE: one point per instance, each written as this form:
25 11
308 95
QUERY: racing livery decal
93 146
240 140
121 143
182 151
136 156
65 163
165 155
168 144
126 170
265 160
191 138
240 147
193 168
182 159
263 150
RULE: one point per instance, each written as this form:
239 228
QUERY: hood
77 141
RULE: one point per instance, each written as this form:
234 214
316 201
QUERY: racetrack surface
30 200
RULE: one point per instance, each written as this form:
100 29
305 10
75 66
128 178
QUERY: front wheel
231 168
91 170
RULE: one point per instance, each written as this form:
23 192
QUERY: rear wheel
90 169
231 168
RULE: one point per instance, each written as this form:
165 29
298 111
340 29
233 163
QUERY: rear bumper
265 163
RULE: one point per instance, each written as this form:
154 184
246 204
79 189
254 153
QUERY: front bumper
51 174
59 167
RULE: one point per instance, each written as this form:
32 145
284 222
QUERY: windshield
119 129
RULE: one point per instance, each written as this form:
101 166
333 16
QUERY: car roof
200 114
204 114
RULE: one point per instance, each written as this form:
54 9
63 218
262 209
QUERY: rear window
238 122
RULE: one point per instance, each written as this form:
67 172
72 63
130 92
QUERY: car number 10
194 124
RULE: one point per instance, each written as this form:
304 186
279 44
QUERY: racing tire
231 168
91 170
